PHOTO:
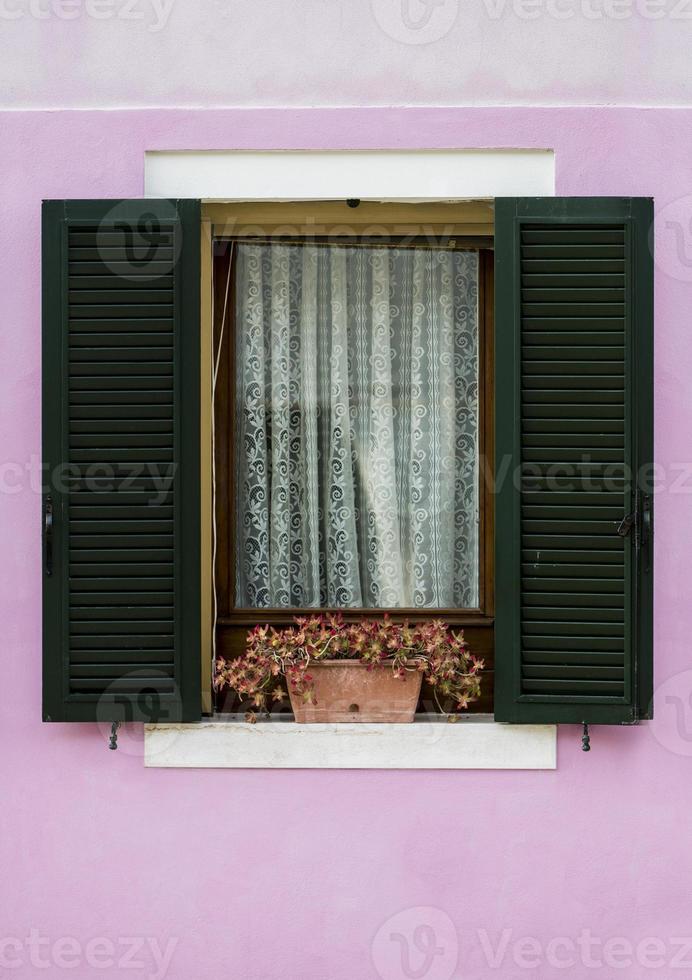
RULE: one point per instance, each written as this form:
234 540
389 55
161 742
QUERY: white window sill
476 742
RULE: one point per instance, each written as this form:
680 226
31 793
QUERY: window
352 421
127 514
356 426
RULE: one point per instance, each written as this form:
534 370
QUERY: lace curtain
356 397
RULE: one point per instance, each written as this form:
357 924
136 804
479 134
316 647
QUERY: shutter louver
570 634
121 415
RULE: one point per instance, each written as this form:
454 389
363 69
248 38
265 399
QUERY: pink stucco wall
142 53
295 874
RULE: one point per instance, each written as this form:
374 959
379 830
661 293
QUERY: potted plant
369 671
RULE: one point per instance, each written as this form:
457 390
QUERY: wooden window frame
394 222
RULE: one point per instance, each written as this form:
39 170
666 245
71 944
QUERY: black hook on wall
585 739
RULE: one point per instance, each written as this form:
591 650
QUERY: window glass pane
356 427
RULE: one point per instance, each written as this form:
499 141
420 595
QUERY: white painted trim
379 175
468 744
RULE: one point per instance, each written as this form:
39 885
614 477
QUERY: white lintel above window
370 175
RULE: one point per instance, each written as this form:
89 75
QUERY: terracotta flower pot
346 691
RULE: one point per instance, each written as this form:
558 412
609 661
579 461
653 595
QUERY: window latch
640 520
627 523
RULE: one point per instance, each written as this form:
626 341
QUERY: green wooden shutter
574 444
121 369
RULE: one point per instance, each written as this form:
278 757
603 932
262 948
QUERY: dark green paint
574 637
121 369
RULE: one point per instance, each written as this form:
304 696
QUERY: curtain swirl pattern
356 415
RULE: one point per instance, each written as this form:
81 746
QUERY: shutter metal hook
114 735
627 523
585 739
